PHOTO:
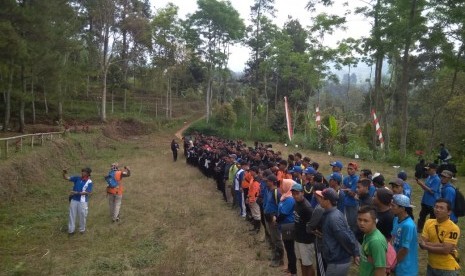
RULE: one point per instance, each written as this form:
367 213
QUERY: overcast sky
357 27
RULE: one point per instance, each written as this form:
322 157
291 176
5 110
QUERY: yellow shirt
448 232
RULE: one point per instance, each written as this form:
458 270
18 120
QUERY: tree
218 26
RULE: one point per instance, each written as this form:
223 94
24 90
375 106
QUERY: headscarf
286 188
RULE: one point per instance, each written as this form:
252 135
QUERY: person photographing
78 199
115 189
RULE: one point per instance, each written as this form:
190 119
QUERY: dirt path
186 126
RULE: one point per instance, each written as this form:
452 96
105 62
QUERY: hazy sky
284 8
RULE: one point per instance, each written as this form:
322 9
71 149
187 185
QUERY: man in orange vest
115 189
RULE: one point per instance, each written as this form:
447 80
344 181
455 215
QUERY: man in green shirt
374 246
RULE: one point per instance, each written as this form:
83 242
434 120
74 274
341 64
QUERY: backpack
111 179
459 206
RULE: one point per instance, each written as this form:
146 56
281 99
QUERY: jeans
440 272
351 216
80 210
338 269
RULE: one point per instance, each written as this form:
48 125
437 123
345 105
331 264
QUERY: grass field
173 220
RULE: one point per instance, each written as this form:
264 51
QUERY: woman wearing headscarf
286 217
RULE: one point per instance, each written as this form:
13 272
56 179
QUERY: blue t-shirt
407 190
271 201
372 190
448 192
81 185
350 182
434 183
404 235
286 208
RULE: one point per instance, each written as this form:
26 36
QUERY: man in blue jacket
339 244
431 188
271 202
350 188
448 192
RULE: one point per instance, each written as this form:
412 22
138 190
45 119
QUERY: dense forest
62 58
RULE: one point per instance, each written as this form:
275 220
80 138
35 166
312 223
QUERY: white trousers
79 209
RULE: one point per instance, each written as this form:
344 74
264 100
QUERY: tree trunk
105 65
22 123
33 102
7 118
45 99
404 83
168 98
456 70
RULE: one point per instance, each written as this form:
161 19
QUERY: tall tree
218 25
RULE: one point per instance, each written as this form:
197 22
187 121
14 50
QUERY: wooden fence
17 143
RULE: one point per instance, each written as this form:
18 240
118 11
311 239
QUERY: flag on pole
288 119
318 117
379 133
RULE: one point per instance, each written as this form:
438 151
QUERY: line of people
327 223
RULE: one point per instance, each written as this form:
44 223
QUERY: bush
224 115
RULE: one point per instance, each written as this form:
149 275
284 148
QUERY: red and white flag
318 117
378 128
288 119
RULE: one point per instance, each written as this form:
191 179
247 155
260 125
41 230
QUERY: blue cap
402 200
336 176
336 164
297 169
309 170
297 187
402 175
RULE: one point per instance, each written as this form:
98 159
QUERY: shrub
224 115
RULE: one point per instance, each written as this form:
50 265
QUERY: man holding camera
78 198
115 192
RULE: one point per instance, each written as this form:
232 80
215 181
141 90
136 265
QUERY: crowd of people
326 223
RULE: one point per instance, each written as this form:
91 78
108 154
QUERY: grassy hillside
173 220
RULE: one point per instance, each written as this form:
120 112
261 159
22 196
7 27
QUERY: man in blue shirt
272 199
431 193
448 191
79 197
407 189
404 237
350 188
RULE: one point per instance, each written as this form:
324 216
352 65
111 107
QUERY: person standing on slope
115 189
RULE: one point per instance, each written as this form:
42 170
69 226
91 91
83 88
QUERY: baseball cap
329 194
402 200
297 169
233 156
447 173
397 182
378 179
336 176
431 166
402 175
336 164
309 170
297 187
